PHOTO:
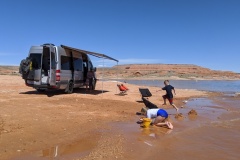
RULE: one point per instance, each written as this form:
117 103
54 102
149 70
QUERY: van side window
65 63
77 62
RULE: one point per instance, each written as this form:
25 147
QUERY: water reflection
50 153
76 149
155 132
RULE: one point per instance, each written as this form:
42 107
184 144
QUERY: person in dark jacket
89 80
169 95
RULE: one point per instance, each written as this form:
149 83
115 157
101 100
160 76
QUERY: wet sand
212 134
102 125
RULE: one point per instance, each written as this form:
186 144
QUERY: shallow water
206 85
213 134
71 150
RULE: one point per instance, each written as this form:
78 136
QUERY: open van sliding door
52 76
77 66
34 75
48 66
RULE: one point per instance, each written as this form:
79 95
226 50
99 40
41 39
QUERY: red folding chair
122 89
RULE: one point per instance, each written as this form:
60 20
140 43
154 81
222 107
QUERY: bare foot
177 109
164 104
170 126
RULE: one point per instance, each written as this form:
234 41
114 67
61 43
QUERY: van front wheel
69 88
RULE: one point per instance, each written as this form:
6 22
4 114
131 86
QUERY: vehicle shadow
51 93
84 91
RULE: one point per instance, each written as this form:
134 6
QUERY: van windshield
36 60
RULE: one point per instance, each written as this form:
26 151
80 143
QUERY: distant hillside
174 71
9 70
151 71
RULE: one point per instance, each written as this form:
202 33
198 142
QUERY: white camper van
56 67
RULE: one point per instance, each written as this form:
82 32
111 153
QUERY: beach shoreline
82 125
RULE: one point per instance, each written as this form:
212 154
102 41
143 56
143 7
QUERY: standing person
168 88
89 81
158 117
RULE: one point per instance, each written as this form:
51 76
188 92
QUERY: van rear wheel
69 88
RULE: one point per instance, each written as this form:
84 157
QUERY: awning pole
117 78
102 76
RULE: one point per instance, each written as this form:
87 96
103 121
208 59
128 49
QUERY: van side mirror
94 69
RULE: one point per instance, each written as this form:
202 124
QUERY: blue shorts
162 113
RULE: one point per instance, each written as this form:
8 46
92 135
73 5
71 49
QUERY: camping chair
123 89
149 104
145 92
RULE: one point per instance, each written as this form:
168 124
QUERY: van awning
99 55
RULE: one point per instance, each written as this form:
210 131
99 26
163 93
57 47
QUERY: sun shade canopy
90 53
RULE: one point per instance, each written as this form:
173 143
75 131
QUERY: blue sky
200 32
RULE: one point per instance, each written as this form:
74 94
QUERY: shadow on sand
121 94
51 93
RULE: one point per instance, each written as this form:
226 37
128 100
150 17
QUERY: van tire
69 88
25 67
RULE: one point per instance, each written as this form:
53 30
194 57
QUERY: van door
77 66
52 74
35 54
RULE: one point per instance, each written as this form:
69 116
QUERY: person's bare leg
175 107
161 124
158 119
168 124
90 88
164 100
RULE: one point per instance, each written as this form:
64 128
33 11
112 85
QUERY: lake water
205 85
211 135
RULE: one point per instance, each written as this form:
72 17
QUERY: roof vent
48 44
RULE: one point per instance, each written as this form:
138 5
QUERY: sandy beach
102 124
